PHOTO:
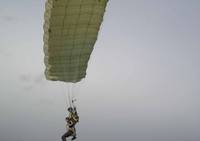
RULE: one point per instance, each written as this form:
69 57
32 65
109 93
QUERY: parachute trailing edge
70 32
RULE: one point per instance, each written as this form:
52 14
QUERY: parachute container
70 32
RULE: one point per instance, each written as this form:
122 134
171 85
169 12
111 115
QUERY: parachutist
71 130
71 120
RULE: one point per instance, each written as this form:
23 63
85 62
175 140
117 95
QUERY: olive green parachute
70 32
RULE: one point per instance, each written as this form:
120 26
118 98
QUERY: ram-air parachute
70 32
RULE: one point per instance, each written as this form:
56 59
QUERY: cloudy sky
143 78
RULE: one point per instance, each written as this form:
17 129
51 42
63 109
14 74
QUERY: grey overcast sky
143 78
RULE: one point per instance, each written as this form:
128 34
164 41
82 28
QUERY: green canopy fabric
70 32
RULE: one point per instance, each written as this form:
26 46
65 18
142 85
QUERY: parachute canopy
70 32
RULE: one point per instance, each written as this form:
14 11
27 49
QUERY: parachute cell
70 32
